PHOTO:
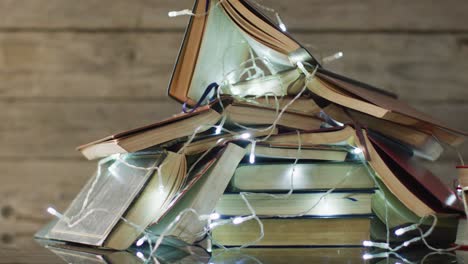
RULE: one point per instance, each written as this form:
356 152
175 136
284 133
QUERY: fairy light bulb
185 12
357 151
367 243
403 230
219 128
54 212
215 216
368 256
140 242
333 57
245 135
140 256
281 25
238 220
252 152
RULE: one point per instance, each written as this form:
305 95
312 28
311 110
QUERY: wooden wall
74 71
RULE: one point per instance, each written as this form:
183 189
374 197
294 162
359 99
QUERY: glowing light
238 220
140 241
214 216
218 130
283 27
54 212
252 152
451 200
357 151
333 57
367 256
245 135
140 255
367 243
252 158
399 232
184 12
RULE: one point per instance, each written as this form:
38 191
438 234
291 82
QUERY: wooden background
74 71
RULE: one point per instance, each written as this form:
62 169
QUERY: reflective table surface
42 251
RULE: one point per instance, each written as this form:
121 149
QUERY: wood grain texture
427 15
55 129
138 66
72 65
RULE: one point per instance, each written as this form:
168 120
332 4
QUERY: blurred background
75 71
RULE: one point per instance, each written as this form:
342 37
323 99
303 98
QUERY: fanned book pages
217 45
230 43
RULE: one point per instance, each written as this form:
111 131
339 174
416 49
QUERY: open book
231 44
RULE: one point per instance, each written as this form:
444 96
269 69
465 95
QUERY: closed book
420 180
307 204
347 231
390 212
271 176
356 97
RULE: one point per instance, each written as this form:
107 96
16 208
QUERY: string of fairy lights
213 220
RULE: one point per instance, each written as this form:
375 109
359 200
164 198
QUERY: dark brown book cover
423 183
385 101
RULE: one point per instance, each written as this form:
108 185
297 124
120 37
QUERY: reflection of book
165 254
278 255
296 232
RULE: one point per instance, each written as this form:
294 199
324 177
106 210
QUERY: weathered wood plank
29 187
67 65
86 65
44 129
54 129
300 14
416 67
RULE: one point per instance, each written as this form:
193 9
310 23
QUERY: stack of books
279 149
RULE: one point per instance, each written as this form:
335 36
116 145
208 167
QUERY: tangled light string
213 219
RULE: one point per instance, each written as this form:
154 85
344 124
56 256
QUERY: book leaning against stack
280 144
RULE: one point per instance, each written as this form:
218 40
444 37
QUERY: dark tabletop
52 252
